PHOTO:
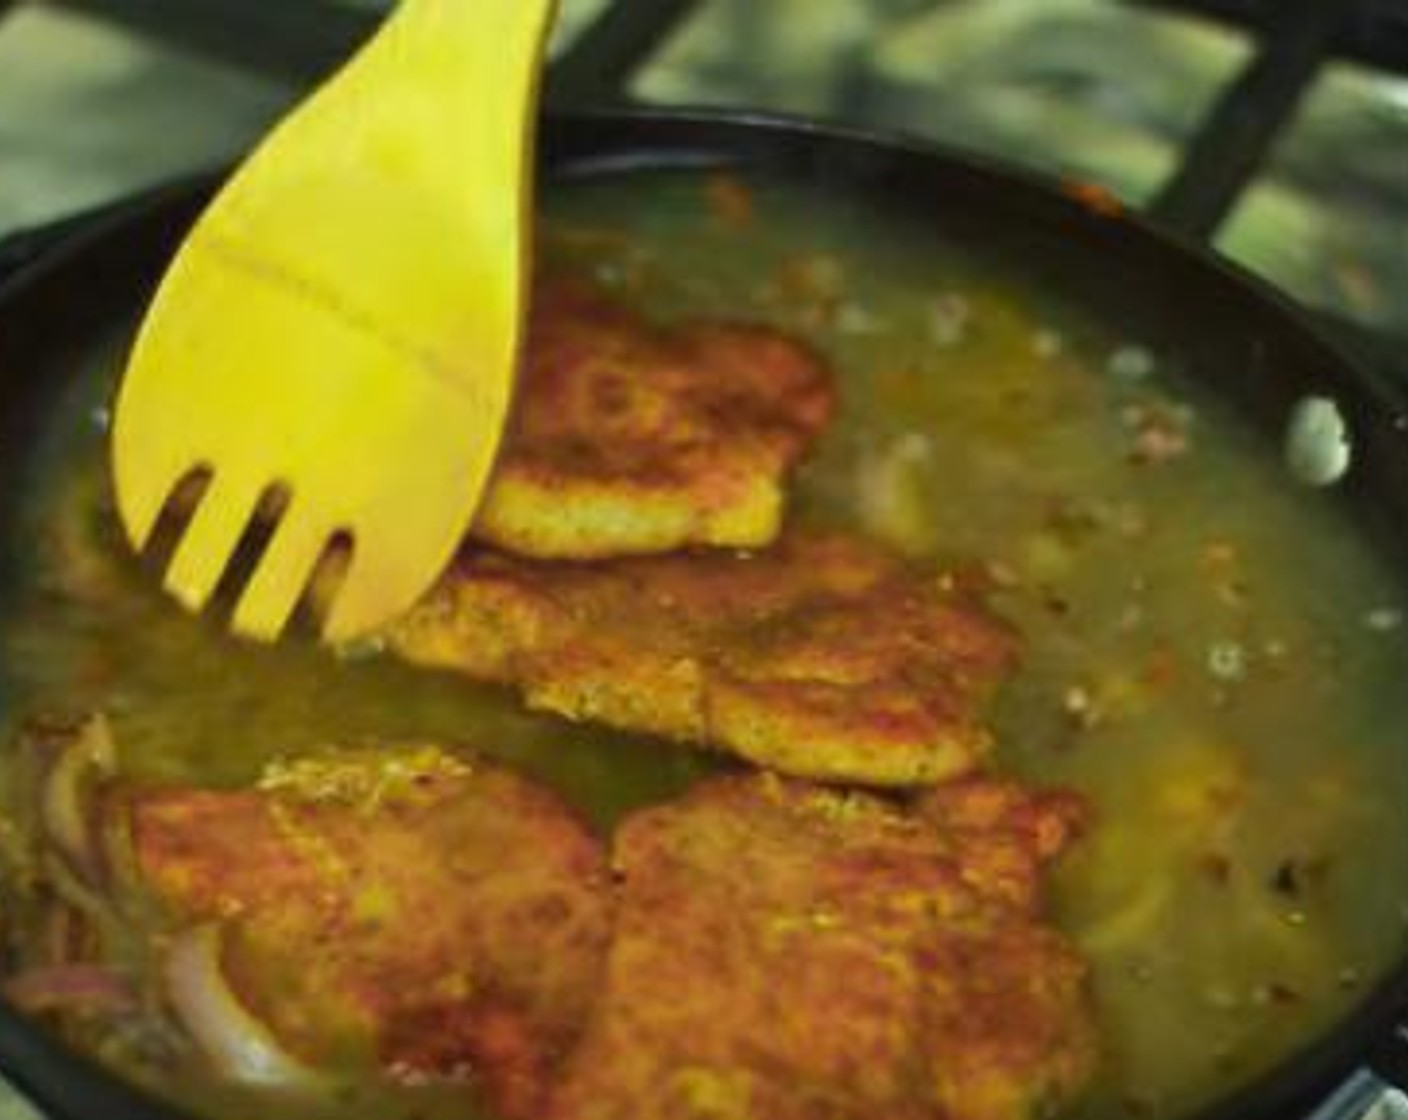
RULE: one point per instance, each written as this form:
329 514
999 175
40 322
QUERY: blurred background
99 97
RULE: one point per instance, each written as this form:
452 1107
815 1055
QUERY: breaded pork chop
824 657
627 438
434 916
787 952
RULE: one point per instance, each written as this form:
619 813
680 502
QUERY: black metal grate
297 40
1374 32
599 67
300 41
1238 133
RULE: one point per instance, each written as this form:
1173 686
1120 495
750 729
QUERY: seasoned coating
1006 833
788 952
629 439
433 916
824 657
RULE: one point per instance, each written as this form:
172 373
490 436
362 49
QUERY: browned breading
785 952
1007 833
630 439
433 916
823 657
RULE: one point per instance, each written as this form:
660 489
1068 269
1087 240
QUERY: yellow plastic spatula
344 321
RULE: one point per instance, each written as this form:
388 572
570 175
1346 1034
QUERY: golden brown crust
824 657
453 922
785 952
628 439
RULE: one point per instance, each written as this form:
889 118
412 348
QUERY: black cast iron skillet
1261 352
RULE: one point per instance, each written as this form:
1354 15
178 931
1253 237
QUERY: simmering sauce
1215 656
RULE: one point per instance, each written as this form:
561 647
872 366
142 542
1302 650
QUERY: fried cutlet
627 438
824 657
788 952
434 916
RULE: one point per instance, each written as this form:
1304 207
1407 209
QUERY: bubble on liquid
1318 448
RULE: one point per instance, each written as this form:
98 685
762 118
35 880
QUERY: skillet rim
69 1085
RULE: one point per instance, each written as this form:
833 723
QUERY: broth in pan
1213 654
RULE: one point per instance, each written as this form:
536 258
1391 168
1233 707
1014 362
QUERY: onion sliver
66 799
80 987
236 1043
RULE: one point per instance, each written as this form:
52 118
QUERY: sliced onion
236 1043
73 987
55 941
66 797
72 890
117 851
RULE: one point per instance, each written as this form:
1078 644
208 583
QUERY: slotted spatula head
343 323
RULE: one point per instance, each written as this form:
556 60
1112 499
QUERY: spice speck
854 319
1227 661
1130 363
1383 619
948 319
1047 344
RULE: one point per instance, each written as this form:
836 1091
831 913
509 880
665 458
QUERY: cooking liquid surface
1214 657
